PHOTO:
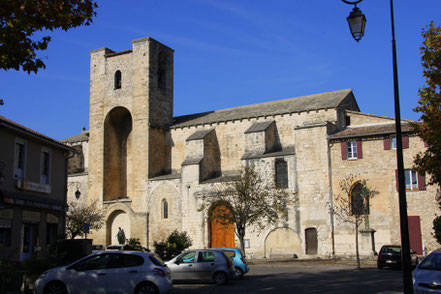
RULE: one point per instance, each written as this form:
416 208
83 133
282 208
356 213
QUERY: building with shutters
150 171
33 179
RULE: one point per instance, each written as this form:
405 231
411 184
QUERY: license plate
391 261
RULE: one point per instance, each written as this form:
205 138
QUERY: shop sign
31 186
33 216
6 213
5 223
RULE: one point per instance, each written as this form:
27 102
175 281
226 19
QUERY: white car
108 272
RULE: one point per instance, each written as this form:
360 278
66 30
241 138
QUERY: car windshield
431 262
391 249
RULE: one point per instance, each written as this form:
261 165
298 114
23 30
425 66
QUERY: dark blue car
240 263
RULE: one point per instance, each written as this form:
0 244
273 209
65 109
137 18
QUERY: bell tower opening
117 143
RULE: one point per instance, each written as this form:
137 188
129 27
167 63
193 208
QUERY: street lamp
76 185
357 22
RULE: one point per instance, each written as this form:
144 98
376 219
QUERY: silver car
108 272
427 275
203 264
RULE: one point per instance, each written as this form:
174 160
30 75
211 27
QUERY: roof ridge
31 131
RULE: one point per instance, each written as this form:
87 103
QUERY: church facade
151 172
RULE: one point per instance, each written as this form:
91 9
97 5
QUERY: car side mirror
178 261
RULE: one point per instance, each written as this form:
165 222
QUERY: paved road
305 277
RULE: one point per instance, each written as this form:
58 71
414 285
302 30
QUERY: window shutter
396 179
344 150
405 140
421 182
386 143
359 150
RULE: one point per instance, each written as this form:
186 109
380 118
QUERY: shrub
175 244
134 244
437 229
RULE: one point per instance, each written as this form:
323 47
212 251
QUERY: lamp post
357 23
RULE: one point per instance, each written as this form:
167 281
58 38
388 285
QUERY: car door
183 267
205 265
88 275
123 272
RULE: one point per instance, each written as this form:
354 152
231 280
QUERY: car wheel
238 273
379 266
146 288
55 288
220 278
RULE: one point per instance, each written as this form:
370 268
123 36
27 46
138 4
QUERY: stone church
150 171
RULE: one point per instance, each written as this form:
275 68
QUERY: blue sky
231 53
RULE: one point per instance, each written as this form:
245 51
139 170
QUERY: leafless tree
352 204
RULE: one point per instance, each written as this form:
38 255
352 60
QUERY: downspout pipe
331 198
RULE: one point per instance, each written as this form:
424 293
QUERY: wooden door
311 241
222 235
415 234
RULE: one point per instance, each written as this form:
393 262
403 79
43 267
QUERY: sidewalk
371 261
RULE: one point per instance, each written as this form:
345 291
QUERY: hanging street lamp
357 22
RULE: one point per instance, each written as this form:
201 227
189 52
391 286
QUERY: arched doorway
117 143
222 234
118 219
311 241
282 243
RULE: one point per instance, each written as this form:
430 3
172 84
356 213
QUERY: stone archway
221 233
117 153
282 243
118 219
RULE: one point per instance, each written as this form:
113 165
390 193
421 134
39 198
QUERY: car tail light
379 255
159 272
243 260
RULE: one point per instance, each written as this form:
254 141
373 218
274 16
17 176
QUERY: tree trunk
356 244
241 235
242 245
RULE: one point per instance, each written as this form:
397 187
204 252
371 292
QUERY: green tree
437 229
21 19
175 244
80 214
134 244
429 128
352 205
251 199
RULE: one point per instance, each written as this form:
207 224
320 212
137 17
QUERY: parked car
240 263
203 264
115 247
427 275
97 248
390 256
108 272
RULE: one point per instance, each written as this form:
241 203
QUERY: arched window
164 209
117 80
359 200
281 174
